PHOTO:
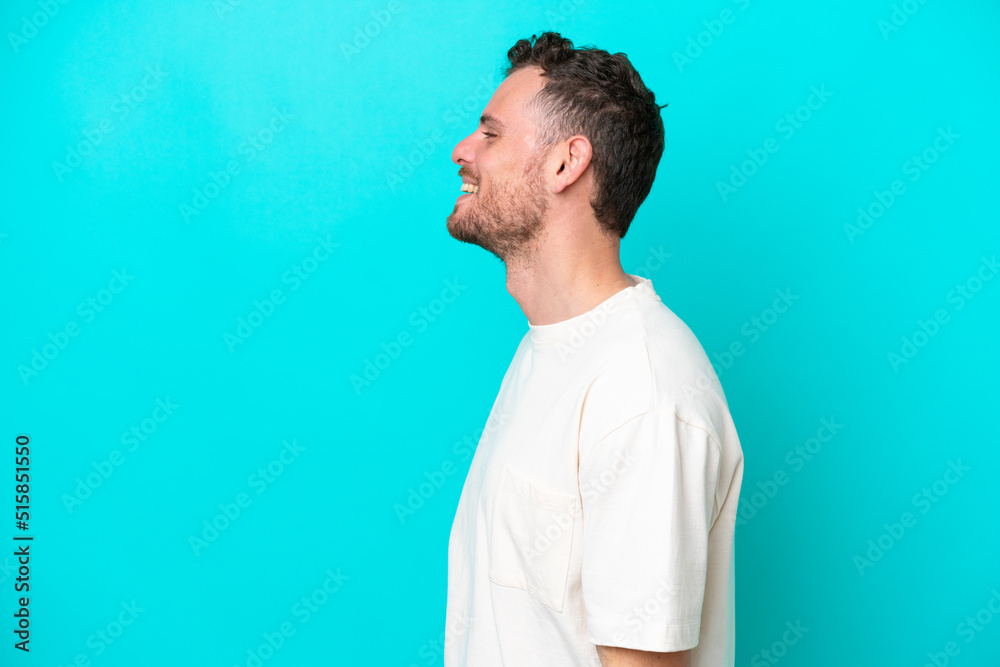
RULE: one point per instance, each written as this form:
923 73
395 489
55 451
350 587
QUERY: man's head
567 131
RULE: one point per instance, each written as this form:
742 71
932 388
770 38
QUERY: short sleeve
648 491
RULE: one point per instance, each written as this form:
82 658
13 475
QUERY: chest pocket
531 538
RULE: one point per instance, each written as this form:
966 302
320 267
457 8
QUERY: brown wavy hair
601 96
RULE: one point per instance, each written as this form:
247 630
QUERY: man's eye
489 134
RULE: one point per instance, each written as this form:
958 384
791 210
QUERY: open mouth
470 188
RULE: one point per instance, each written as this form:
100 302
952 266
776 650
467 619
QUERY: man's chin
463 229
457 225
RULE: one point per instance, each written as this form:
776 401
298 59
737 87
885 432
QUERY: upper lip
468 180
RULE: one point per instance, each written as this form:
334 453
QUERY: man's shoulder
659 347
656 362
683 372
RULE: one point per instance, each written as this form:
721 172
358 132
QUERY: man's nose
463 152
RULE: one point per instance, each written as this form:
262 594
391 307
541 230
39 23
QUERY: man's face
505 215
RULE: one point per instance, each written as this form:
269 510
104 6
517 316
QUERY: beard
506 219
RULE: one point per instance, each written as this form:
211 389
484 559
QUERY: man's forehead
506 108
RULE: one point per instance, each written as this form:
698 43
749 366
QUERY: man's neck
549 294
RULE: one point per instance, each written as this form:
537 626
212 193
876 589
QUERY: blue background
359 154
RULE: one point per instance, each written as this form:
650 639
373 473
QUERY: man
596 522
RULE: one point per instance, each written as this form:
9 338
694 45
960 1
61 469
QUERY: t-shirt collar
561 331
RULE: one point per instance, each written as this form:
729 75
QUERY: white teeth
469 187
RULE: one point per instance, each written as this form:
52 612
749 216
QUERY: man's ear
574 153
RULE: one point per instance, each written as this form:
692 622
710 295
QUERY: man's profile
596 523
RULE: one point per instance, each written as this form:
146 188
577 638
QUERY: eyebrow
487 119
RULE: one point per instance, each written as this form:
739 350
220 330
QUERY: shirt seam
631 297
715 509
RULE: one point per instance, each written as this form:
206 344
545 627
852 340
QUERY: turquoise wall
216 214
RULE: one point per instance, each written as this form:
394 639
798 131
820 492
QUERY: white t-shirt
600 505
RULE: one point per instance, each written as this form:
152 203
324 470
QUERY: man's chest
535 433
522 496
